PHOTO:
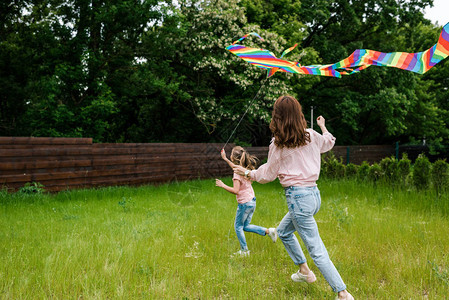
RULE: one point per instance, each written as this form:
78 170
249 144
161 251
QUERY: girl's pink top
246 192
295 166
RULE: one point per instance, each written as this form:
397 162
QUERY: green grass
174 241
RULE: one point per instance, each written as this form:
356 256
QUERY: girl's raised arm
223 155
233 190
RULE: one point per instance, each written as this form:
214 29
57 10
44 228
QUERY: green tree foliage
218 86
382 103
157 71
72 59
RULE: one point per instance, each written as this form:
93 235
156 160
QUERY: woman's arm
266 172
322 124
327 140
233 190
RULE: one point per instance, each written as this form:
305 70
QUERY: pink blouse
246 192
295 166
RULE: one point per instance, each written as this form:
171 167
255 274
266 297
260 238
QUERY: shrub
363 170
374 172
440 175
404 168
351 170
421 172
333 167
32 188
390 171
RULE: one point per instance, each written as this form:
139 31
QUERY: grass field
174 242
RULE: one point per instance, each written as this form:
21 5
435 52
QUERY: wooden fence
68 163
358 154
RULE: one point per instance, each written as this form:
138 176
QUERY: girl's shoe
241 253
273 233
299 277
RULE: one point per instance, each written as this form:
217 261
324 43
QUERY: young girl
245 197
294 158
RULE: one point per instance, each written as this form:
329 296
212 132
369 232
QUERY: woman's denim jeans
243 217
303 203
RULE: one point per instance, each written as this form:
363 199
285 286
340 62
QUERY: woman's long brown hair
288 124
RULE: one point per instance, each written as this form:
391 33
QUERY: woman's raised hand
320 121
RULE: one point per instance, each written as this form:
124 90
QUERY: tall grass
174 241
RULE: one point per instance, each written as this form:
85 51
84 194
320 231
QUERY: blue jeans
243 217
303 203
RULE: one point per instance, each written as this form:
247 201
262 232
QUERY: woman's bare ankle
304 269
342 294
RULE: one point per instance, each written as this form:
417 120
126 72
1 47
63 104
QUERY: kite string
249 105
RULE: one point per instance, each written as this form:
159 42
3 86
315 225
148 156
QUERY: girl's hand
219 183
239 170
320 121
223 154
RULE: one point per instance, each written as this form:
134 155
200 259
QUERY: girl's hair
240 156
288 124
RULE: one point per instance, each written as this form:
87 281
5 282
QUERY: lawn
175 241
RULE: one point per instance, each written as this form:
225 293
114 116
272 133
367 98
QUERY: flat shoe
299 277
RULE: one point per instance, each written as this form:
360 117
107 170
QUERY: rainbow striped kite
360 59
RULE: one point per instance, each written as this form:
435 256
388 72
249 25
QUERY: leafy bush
351 170
333 167
404 168
421 172
32 188
390 171
363 171
375 172
440 175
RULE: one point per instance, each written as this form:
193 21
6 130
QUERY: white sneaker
273 233
299 277
241 253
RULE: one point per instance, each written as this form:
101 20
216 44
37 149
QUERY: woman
295 158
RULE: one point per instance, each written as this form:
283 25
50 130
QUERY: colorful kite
360 59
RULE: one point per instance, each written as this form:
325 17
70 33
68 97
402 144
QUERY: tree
218 86
77 54
379 105
149 71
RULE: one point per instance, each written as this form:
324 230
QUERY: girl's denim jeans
243 217
303 203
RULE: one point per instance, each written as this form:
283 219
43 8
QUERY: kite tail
246 35
287 51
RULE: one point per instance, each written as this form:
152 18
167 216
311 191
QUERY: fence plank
44 141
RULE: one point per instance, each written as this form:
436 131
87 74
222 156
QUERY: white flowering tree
219 84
